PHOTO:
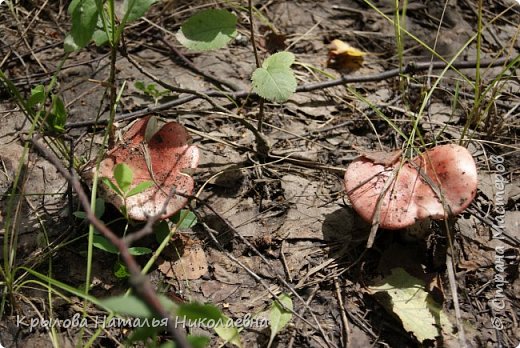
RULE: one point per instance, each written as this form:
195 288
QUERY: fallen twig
140 282
346 79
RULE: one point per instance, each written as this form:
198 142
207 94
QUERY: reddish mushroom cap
410 197
170 154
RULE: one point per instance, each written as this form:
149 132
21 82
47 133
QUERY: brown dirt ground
293 213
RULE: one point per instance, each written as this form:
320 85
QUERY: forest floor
290 227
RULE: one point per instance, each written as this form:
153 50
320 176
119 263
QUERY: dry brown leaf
192 263
385 158
344 57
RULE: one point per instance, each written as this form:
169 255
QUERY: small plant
151 91
159 156
275 80
279 316
124 177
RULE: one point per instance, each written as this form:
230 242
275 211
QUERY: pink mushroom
170 155
439 183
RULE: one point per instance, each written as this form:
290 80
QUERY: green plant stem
257 62
475 116
10 241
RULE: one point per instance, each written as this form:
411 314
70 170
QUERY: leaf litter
322 238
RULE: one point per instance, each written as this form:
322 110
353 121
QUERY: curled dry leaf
344 57
440 182
169 153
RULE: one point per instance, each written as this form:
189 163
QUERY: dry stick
262 257
196 70
150 221
302 312
344 319
140 282
376 217
409 69
454 293
261 141
257 61
212 233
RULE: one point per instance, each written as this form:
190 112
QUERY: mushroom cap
170 154
410 197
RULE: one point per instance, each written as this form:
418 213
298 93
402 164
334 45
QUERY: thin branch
411 68
140 282
252 31
196 70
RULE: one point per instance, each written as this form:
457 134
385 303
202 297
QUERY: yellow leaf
342 56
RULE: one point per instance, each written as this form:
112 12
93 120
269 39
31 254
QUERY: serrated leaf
133 306
142 186
84 19
275 80
135 9
409 301
124 176
208 30
279 317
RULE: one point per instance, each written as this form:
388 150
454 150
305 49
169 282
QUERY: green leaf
102 243
170 344
208 30
100 37
135 9
80 214
112 186
124 176
58 115
120 270
228 332
275 80
84 19
278 316
100 207
37 96
198 341
141 187
195 311
133 306
151 128
138 251
100 210
407 298
140 86
189 219
203 312
161 231
142 334
194 342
